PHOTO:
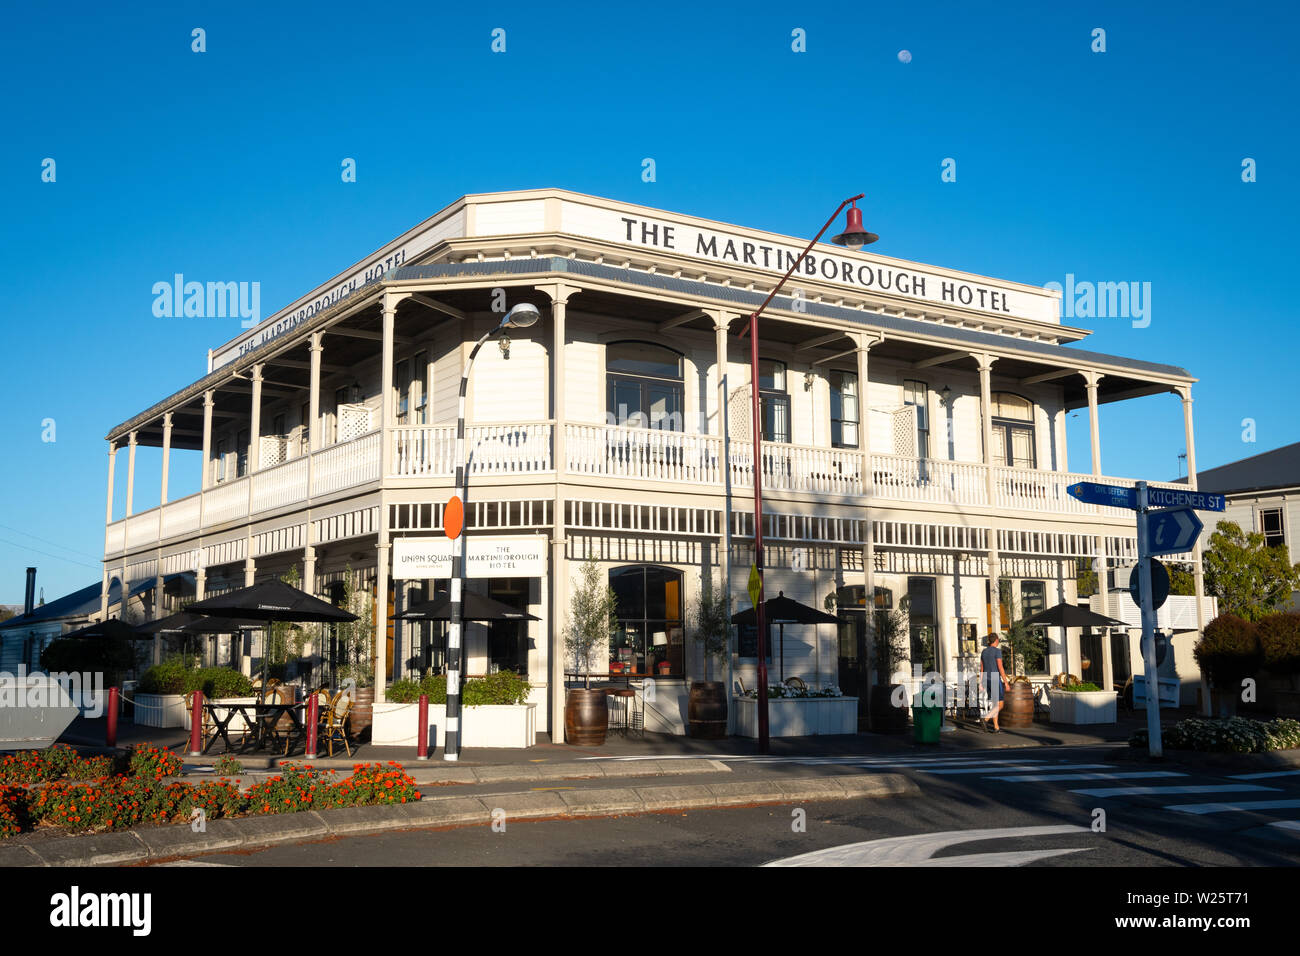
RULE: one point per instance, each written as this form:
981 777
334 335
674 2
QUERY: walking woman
995 681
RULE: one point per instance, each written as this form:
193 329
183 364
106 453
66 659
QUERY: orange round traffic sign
453 517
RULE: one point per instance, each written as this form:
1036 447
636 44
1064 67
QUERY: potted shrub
111 657
356 649
159 694
495 712
1083 703
1228 652
1279 641
591 622
889 649
707 707
219 684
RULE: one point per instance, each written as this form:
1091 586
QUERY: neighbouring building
1263 493
914 443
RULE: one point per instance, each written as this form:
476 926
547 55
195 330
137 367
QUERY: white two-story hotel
914 444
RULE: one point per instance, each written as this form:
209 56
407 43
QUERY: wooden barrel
586 717
362 713
707 710
1018 708
885 717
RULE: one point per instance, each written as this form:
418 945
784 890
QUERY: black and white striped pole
454 521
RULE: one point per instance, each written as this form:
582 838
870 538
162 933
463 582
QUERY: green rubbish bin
926 722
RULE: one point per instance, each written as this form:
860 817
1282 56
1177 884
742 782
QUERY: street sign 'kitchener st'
1092 493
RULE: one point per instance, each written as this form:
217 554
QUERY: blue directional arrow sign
1169 498
1172 531
1092 493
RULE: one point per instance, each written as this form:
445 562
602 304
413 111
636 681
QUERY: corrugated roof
688 287
1279 468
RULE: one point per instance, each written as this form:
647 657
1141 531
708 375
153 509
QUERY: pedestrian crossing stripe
1244 806
1264 776
1014 768
1052 777
1193 788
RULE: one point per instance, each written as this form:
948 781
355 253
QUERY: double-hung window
644 386
775 400
845 410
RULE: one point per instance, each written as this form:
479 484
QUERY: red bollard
110 736
196 725
422 732
313 722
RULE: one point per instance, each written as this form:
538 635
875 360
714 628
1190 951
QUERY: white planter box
159 710
798 716
490 725
238 724
1082 707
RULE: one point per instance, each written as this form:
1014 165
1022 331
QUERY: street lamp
855 237
521 316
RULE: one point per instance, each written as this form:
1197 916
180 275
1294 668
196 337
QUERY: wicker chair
283 727
335 725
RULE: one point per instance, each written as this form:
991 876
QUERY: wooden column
166 456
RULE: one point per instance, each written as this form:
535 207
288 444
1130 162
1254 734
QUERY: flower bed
138 794
1231 735
54 763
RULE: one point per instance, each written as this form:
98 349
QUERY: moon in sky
904 56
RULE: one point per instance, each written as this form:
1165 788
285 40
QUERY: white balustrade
115 537
282 485
228 501
931 480
142 529
644 453
430 450
799 468
180 516
342 466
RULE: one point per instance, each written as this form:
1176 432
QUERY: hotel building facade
914 445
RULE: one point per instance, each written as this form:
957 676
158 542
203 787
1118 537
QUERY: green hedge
1229 650
111 657
1279 640
174 677
503 687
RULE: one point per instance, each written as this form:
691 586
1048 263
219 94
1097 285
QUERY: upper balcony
614 456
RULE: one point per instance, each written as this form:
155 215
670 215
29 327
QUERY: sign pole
1154 747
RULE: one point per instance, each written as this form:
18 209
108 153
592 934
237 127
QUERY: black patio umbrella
112 628
1071 615
782 610
186 623
475 607
270 603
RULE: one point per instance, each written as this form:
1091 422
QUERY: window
304 433
220 464
844 409
917 395
1013 431
774 400
241 452
508 640
644 386
923 624
419 400
277 425
1270 523
402 384
1033 598
649 635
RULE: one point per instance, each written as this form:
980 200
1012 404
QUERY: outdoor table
263 717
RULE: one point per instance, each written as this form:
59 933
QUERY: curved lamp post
521 316
854 237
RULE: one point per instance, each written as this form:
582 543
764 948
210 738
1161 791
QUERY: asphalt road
1027 807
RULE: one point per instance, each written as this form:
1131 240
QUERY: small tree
712 624
890 641
1249 578
1028 645
1085 578
591 616
356 638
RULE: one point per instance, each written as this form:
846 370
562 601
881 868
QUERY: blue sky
1115 166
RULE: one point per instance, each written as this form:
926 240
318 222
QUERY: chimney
29 598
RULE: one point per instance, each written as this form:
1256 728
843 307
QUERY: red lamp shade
854 236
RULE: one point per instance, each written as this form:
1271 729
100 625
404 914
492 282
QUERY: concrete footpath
158 843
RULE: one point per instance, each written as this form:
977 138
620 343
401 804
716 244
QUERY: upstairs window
774 400
917 394
845 415
1013 431
1271 524
644 386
